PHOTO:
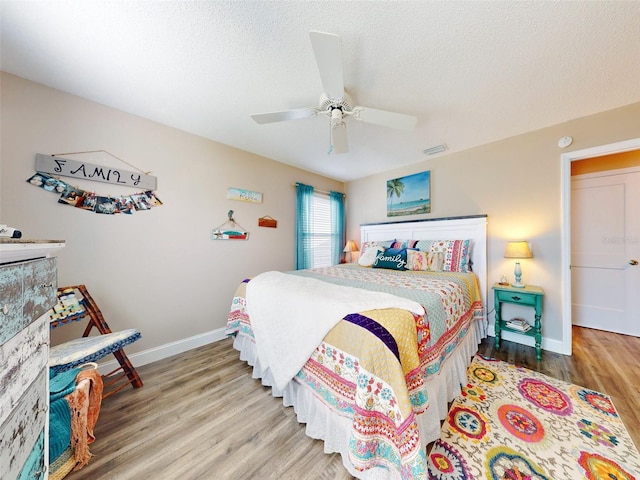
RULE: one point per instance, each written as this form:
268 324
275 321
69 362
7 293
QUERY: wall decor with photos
66 167
48 167
410 195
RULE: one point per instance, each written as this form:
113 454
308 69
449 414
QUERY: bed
369 357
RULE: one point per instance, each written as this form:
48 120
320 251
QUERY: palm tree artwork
412 193
394 187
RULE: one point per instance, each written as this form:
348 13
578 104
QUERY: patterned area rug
514 423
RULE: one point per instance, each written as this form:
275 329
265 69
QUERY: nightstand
529 296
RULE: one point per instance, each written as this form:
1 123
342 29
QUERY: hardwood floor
201 416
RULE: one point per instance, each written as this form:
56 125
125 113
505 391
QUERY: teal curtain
304 226
336 200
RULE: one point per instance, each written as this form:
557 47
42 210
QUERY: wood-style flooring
200 415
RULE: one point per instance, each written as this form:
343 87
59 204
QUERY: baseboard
548 344
180 346
167 350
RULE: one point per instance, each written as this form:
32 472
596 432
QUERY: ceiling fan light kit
336 117
334 101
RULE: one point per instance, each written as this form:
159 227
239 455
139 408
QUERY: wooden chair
76 304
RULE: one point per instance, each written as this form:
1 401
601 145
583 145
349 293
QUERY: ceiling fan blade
327 47
384 118
294 114
339 142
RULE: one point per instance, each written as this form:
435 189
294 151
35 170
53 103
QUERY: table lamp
350 248
519 249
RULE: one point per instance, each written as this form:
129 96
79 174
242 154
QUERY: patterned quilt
372 366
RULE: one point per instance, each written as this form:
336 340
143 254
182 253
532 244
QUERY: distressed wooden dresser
28 285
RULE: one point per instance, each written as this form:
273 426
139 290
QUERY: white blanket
290 315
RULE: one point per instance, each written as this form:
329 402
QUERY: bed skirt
334 430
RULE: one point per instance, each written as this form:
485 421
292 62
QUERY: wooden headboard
472 227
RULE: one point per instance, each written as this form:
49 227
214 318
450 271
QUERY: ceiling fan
334 102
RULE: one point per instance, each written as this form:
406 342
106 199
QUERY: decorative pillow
366 246
423 245
392 258
435 261
385 243
377 243
425 261
456 254
404 244
416 260
369 255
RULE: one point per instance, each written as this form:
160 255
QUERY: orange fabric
95 398
84 402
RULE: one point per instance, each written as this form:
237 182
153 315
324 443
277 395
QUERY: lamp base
517 272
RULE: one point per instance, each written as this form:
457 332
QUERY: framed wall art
244 195
410 195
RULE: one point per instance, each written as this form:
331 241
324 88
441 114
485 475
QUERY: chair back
69 308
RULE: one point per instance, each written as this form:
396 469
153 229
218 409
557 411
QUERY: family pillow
392 258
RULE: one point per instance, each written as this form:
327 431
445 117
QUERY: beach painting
410 195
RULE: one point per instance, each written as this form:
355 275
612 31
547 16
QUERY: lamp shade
519 249
350 247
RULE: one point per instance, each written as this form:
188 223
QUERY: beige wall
157 270
517 183
160 271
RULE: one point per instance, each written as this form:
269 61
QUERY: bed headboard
472 227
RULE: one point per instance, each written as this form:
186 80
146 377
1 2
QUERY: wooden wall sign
268 222
97 173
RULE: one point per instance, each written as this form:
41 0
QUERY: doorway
605 247
566 281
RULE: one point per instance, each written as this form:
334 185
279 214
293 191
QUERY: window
319 228
321 236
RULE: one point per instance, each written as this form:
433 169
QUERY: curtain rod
325 192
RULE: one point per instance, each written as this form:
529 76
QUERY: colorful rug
514 423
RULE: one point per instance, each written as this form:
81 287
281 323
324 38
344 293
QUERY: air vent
435 149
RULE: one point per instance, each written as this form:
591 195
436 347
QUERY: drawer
20 433
34 468
10 301
27 291
516 297
39 287
22 359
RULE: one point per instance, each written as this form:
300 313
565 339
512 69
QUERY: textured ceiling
472 72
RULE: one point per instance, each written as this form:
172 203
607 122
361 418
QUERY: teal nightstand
529 296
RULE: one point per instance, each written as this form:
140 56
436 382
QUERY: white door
605 250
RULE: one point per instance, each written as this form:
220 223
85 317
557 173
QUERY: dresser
28 286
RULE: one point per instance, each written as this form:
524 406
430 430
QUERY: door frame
565 233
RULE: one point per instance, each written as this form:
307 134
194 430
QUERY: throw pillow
392 258
424 261
456 254
369 255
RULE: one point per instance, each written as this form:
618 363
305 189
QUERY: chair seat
89 349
